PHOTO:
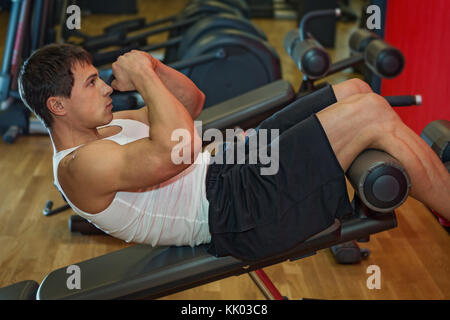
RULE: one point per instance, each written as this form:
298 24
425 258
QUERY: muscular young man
115 169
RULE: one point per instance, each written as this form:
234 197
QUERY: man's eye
92 82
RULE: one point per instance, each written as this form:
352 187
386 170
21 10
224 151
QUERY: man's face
90 103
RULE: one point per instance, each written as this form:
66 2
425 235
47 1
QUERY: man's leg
367 121
312 103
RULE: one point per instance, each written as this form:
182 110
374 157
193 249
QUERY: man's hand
129 67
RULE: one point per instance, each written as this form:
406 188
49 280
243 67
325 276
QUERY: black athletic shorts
253 216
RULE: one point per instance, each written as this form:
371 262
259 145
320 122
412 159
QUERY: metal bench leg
265 285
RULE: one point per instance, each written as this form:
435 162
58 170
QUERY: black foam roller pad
383 59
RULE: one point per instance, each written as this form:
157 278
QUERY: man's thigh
300 109
353 124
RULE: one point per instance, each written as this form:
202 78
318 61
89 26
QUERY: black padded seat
141 271
25 290
249 109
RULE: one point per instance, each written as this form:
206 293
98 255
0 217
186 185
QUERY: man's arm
182 88
168 118
166 114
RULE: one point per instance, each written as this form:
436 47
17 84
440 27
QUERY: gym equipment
437 135
144 272
275 9
348 15
177 46
238 55
210 25
315 63
140 23
323 30
108 7
209 46
29 27
116 34
225 64
241 5
250 64
24 290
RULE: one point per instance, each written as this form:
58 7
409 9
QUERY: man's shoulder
99 149
89 158
87 174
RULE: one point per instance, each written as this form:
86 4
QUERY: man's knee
360 86
350 88
380 112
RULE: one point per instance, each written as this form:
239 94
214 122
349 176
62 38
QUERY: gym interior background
414 258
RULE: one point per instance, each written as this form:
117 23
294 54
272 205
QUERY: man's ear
56 106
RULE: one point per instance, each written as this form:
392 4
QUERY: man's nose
107 90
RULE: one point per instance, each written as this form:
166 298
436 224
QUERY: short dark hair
48 73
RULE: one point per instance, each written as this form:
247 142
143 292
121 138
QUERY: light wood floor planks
414 258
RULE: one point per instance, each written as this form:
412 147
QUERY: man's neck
64 137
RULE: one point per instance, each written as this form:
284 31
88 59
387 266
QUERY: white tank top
174 212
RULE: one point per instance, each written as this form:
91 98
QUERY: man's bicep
96 167
110 167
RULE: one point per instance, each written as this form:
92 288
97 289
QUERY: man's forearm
182 88
166 114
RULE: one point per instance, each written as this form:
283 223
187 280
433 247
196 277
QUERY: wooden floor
414 258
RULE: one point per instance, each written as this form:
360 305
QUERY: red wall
421 30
